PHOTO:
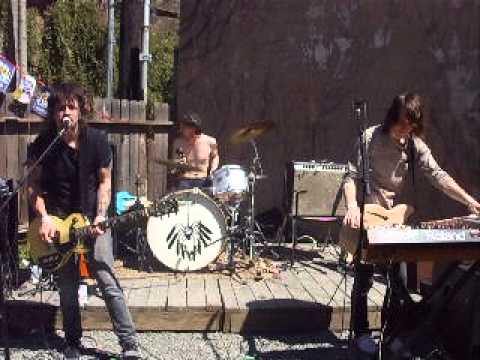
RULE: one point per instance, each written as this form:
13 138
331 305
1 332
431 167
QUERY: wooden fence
136 143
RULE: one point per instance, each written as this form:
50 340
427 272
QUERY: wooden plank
142 110
123 163
142 164
229 299
12 151
315 290
177 294
157 147
244 294
125 110
262 294
139 293
212 291
23 141
335 293
136 111
161 113
297 290
115 140
278 289
134 160
98 107
158 294
106 114
116 110
196 294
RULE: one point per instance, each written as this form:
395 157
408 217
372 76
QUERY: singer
196 149
75 177
396 151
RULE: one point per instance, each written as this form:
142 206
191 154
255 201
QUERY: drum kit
215 219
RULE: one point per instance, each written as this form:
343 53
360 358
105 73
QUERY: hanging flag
39 104
7 69
24 91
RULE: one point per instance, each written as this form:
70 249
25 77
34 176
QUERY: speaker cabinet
315 188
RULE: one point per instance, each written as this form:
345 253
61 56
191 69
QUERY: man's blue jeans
101 267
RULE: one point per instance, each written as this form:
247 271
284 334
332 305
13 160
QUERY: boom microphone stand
359 109
21 183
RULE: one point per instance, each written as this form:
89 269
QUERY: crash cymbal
250 131
174 164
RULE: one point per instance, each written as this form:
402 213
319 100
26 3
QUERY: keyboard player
392 147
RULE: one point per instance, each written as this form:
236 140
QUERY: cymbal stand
140 238
253 231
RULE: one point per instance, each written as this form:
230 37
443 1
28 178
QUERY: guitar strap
82 170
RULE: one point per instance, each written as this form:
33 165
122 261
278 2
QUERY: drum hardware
140 249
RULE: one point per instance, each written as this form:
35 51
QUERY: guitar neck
160 209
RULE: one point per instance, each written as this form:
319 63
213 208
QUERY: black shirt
70 177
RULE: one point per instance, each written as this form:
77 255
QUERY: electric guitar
374 216
75 229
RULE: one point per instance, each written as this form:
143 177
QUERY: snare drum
193 237
230 184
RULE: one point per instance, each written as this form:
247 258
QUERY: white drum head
193 237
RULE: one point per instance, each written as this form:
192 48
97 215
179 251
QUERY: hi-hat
174 164
250 132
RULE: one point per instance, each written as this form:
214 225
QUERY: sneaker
366 344
71 352
131 352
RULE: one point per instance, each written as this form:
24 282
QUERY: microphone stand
359 109
360 113
3 206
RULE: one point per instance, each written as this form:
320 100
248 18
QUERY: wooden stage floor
310 296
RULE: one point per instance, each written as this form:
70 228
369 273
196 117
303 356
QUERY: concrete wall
300 63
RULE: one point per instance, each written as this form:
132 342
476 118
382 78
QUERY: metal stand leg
294 240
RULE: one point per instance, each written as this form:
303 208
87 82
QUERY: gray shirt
390 165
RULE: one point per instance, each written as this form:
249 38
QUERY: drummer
196 149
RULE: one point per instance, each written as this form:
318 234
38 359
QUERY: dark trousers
184 184
362 283
101 267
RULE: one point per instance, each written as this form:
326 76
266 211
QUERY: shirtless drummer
196 149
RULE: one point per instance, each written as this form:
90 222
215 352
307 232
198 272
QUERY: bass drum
193 237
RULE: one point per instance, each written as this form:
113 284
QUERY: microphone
67 122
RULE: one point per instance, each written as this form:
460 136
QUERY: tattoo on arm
104 191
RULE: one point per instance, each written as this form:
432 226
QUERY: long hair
63 93
409 106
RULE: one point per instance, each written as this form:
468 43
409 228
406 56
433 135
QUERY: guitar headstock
163 207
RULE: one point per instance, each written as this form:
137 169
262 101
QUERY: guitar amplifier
315 188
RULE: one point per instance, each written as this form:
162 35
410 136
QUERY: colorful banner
7 69
24 91
39 103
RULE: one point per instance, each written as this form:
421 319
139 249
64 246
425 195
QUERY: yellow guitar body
374 216
50 256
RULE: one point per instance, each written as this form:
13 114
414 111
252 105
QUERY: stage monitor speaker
315 188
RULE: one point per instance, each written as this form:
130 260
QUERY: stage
312 295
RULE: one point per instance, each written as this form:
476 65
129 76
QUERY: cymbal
173 164
250 131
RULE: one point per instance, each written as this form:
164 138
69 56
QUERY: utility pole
111 46
145 56
22 36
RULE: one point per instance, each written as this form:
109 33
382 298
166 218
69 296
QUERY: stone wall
300 63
